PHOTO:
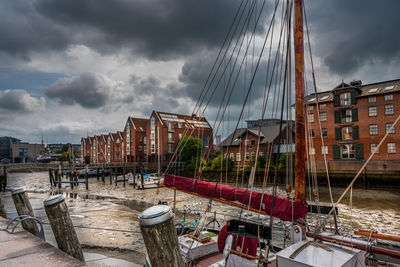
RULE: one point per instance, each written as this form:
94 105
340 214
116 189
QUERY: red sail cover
284 209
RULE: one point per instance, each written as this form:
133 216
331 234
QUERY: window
253 142
324 150
372 99
180 136
140 148
179 125
170 126
310 117
261 154
322 106
170 137
237 156
153 123
144 139
311 151
322 116
345 99
117 140
373 129
253 155
246 142
389 110
391 147
140 138
324 132
247 156
388 125
153 148
347 115
372 111
170 148
374 147
388 97
310 107
347 133
348 151
312 134
232 156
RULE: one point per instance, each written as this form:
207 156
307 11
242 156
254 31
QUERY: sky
72 68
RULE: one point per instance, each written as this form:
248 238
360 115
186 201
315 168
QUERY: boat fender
296 234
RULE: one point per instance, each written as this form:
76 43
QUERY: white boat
128 177
149 181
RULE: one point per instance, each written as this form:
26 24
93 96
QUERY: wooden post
142 180
110 175
98 174
159 235
116 176
58 174
2 210
174 200
103 174
61 224
4 182
123 174
134 176
86 179
23 207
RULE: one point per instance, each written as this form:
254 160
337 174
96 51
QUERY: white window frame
372 128
391 148
388 125
310 117
372 99
374 146
389 109
372 111
322 116
388 97
324 150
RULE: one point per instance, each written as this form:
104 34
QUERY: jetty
24 249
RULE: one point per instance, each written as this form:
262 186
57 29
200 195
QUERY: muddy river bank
106 217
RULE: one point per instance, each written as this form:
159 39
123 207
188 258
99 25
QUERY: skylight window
373 90
324 97
312 99
389 87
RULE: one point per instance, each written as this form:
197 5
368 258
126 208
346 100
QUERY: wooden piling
58 174
23 207
86 179
116 176
111 175
61 224
142 180
103 173
2 210
123 174
134 176
98 174
159 235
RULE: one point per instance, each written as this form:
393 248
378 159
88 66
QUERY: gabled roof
267 134
139 124
365 90
192 120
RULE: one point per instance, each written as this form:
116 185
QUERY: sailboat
307 248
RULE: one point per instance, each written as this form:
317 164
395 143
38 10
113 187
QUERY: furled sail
284 209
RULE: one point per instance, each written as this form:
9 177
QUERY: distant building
5 146
241 145
354 119
135 139
22 153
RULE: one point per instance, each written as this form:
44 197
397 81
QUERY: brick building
241 145
354 119
166 129
135 139
139 140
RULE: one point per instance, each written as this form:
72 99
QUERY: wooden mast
300 184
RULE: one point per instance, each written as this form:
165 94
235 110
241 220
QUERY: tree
65 147
227 164
282 160
260 164
190 147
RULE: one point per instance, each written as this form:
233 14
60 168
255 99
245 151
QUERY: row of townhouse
146 140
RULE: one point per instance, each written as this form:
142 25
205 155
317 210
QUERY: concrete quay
24 249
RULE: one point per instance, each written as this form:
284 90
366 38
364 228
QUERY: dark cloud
20 100
351 34
88 90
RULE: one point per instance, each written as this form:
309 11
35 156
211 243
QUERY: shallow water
106 216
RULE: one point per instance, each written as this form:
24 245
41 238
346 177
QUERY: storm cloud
16 100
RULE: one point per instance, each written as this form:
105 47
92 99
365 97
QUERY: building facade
354 119
165 130
146 140
242 145
23 152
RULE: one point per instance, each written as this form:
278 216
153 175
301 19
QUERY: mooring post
3 181
23 207
111 175
116 176
2 210
86 178
61 224
59 175
142 180
159 235
123 174
174 200
134 175
98 174
103 174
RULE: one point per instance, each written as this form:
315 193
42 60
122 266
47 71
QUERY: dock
24 249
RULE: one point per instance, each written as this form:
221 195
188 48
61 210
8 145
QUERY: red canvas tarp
284 209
